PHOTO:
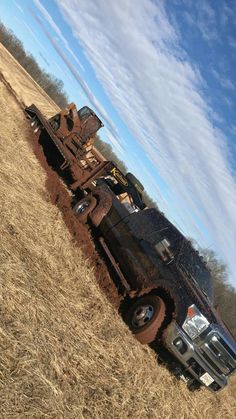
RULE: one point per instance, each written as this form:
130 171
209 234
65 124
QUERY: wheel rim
142 315
82 207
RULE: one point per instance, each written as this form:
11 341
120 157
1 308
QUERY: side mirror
164 252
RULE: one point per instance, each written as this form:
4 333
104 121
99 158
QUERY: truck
168 292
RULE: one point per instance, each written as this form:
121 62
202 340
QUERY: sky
161 75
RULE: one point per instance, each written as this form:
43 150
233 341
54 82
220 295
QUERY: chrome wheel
142 315
145 317
82 207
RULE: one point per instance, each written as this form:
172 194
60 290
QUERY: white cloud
227 13
136 56
85 88
56 29
233 129
232 42
116 143
206 21
19 7
224 82
65 74
228 102
33 34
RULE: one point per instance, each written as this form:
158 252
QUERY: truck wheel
84 207
145 318
137 184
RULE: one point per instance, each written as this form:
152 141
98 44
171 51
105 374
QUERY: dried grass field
64 350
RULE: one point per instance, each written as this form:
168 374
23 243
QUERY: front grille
228 349
195 366
218 354
211 363
197 369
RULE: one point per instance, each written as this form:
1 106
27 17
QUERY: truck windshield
84 112
192 264
90 123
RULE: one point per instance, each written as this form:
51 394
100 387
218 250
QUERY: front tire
84 207
145 318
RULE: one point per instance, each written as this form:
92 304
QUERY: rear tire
145 318
84 207
137 184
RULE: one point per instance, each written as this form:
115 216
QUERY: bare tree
225 294
52 86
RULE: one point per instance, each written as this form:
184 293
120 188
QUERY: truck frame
167 284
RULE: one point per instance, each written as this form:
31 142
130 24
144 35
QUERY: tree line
225 294
49 83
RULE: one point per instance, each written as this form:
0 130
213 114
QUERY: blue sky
161 75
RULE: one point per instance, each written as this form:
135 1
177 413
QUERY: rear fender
104 205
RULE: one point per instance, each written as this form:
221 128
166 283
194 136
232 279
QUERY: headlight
195 323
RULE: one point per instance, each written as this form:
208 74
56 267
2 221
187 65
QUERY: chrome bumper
193 359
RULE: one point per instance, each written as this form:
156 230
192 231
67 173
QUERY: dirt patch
60 196
25 91
57 191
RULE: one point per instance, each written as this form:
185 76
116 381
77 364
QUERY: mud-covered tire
84 207
137 184
146 328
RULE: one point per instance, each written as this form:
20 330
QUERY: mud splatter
60 196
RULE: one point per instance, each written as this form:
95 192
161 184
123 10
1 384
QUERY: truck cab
170 288
84 123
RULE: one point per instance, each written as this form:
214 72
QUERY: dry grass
64 351
23 86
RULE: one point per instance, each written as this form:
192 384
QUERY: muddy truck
168 295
